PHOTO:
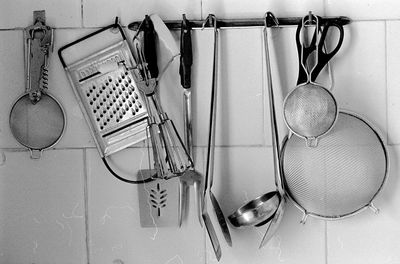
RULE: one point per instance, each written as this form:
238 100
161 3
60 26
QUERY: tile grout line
326 242
86 201
386 85
324 4
201 9
82 14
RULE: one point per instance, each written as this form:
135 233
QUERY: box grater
107 94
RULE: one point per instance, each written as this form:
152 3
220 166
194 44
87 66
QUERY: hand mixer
170 155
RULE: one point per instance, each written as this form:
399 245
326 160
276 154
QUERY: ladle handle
213 111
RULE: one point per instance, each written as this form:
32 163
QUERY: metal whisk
170 155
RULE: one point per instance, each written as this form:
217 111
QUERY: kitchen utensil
206 217
158 200
105 89
190 177
37 120
310 110
262 209
186 61
211 137
171 157
256 212
340 177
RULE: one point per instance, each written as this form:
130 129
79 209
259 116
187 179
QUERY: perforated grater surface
109 98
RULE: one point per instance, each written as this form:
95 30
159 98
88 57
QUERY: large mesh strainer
342 175
310 110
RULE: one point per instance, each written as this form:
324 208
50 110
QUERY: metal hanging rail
251 22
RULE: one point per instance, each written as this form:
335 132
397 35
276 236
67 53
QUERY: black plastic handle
323 57
186 59
149 46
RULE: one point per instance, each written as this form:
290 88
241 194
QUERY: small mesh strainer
310 110
342 175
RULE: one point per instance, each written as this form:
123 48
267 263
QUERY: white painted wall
66 207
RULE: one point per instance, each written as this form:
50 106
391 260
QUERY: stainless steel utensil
37 120
310 110
256 212
158 200
340 177
171 157
104 86
274 224
190 177
211 137
262 209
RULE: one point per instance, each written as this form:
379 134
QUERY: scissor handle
322 57
304 51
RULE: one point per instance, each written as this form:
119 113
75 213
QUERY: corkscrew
38 45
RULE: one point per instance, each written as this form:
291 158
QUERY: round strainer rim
334 103
62 131
370 202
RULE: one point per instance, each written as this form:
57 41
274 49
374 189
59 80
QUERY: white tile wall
13 84
239 9
45 202
363 10
114 219
393 79
129 11
42 208
59 13
350 240
363 88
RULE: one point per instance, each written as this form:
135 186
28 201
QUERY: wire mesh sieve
339 177
310 110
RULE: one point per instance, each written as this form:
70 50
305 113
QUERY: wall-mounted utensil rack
251 22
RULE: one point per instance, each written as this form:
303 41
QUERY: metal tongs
171 158
38 39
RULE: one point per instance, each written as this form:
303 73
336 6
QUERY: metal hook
269 15
310 16
138 30
212 20
185 24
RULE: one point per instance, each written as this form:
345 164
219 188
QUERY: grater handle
116 175
112 26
